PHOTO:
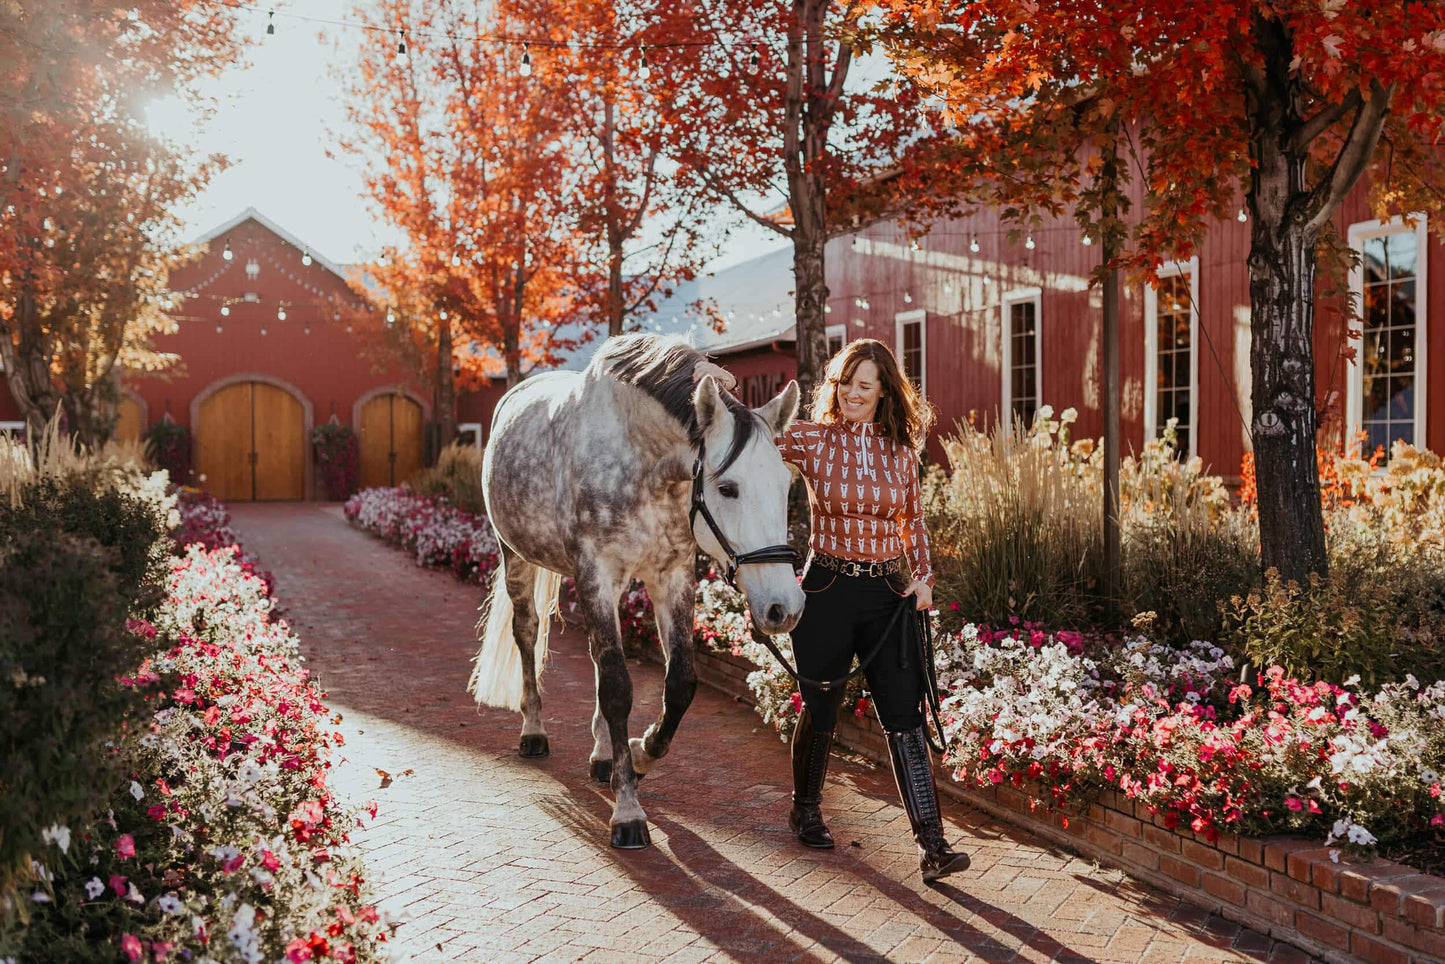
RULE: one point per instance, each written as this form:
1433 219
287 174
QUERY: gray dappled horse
592 475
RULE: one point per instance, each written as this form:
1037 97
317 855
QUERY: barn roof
251 214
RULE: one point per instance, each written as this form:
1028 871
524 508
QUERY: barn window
1171 358
1386 392
911 334
1022 362
837 338
469 434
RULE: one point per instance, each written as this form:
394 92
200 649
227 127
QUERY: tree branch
1353 158
720 188
1325 119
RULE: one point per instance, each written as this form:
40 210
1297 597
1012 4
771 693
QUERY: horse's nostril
776 613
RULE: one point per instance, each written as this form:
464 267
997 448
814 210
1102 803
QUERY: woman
859 455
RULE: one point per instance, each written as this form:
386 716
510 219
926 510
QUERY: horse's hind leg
673 601
599 593
521 583
600 763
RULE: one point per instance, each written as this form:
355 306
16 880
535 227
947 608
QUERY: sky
277 118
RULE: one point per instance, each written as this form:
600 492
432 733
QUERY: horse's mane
662 367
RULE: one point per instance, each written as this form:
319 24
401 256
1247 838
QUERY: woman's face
858 396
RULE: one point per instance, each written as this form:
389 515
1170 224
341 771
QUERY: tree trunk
613 218
446 415
1281 305
810 295
27 367
1109 250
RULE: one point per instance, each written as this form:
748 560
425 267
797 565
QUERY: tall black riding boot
810 768
914 773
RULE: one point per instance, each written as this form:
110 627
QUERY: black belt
853 567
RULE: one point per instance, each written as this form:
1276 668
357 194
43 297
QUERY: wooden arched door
390 440
128 424
251 444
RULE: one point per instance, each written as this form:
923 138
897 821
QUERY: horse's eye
728 490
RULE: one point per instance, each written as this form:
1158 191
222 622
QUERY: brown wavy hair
903 415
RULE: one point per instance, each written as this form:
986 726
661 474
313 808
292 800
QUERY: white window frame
1355 384
836 331
1151 351
901 319
474 426
12 426
1011 298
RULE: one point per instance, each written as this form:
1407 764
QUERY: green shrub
63 643
132 528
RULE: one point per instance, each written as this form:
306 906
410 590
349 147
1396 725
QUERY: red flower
125 846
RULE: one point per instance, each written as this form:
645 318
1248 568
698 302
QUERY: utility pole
1109 250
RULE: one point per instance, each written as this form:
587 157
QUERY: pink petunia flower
125 845
131 945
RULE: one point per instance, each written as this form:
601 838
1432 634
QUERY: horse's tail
497 671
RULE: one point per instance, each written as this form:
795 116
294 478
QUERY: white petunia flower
58 835
94 888
136 790
170 904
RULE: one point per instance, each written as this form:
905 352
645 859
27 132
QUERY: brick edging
1377 912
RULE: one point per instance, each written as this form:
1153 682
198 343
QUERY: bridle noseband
779 553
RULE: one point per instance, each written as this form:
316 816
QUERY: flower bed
225 844
433 531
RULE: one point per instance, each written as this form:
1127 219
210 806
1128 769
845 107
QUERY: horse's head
745 490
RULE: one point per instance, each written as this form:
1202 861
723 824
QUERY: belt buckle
851 568
876 569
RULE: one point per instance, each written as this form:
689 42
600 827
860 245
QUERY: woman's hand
725 378
922 591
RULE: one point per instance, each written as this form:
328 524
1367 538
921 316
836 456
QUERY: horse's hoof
534 745
631 835
602 771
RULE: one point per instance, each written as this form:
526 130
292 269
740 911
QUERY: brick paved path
488 857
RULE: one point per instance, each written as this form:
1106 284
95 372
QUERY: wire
500 39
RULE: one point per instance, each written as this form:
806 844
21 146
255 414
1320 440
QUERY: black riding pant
846 616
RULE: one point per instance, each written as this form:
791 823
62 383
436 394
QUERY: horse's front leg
673 599
598 593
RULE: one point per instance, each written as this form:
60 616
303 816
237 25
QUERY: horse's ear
780 412
708 404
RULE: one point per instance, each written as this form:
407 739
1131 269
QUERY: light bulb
270 32
456 260
643 70
226 253
987 280
827 309
973 245
526 69
442 314
401 47
306 257
1029 242
907 298
1242 216
225 311
280 314
263 331
218 329
756 57
306 330
390 318
1088 241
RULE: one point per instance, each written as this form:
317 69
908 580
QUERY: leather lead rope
832 684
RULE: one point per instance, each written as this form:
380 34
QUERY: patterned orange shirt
863 491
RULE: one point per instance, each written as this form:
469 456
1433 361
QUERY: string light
225 311
306 330
907 298
456 263
973 244
390 317
227 252
218 329
401 57
1088 241
756 57
526 69
270 32
263 331
442 314
306 257
643 70
280 313
1242 216
1029 242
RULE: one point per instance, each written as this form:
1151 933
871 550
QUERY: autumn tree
641 220
1289 102
86 191
465 155
771 122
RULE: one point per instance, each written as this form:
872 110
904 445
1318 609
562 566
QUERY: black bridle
778 553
